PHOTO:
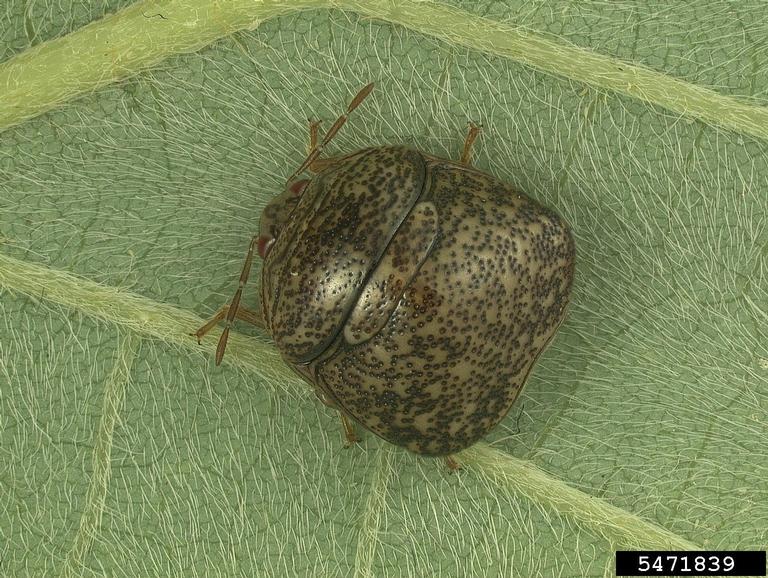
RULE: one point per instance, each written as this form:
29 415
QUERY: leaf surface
125 215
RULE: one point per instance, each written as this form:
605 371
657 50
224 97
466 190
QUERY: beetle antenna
235 303
315 152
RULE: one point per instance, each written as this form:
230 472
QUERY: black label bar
690 563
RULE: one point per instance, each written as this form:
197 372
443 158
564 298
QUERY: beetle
413 293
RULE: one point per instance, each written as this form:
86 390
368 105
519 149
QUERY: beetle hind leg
472 134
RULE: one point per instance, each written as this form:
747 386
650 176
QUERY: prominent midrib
127 42
144 316
171 324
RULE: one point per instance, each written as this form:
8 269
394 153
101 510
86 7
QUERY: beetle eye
265 244
298 187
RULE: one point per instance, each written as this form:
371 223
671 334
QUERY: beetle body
414 293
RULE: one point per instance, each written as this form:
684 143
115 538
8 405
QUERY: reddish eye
298 187
265 244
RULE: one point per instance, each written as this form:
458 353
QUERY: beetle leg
314 126
452 464
250 316
474 131
349 430
316 165
321 164
233 308
324 398
318 148
244 314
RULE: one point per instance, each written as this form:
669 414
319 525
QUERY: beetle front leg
318 147
318 164
314 126
474 132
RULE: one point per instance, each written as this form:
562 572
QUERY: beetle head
276 214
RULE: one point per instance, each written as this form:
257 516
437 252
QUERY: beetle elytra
413 293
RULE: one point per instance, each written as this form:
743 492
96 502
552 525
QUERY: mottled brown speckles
418 293
397 266
337 234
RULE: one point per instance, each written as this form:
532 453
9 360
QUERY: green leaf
136 163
